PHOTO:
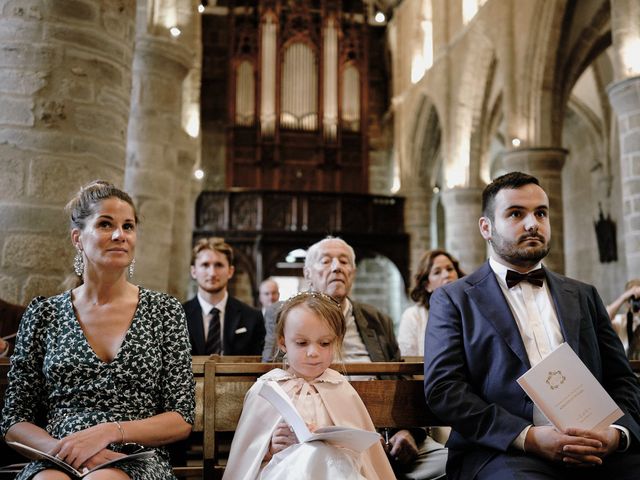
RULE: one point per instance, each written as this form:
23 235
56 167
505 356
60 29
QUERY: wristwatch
623 444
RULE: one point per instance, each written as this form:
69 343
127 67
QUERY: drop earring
132 267
78 263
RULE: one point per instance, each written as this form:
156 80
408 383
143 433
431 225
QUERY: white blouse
411 332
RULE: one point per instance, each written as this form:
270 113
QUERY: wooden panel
279 212
244 212
369 368
229 399
355 215
245 175
321 213
395 403
386 214
211 212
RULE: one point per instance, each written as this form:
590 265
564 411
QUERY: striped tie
213 344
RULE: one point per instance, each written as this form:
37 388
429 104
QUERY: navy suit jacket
243 328
474 354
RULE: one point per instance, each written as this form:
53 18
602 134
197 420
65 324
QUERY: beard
521 256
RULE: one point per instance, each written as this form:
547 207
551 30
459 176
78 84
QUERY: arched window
245 94
299 91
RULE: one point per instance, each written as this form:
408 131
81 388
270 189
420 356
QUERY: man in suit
330 267
268 293
217 322
486 330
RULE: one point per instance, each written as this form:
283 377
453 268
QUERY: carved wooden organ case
298 96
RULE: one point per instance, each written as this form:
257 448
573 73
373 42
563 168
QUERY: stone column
155 132
65 82
624 96
625 100
417 219
625 32
462 207
546 165
183 222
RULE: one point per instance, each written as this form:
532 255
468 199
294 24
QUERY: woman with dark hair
104 364
436 268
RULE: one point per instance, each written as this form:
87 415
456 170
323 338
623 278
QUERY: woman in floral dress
104 364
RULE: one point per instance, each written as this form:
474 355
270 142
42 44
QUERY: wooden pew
393 403
198 367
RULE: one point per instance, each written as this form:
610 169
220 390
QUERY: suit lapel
231 318
194 319
486 294
369 337
567 305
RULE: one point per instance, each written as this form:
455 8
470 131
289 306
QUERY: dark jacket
243 328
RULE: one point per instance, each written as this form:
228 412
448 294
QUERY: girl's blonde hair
322 305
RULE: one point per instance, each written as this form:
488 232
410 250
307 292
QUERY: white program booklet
567 392
352 438
40 455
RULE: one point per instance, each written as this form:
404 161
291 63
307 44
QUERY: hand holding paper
353 438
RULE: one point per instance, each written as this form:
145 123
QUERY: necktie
213 344
535 277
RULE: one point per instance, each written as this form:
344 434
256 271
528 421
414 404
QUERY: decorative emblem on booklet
555 379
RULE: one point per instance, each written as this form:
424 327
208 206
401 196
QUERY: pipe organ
297 95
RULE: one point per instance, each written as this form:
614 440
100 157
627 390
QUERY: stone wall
65 79
379 283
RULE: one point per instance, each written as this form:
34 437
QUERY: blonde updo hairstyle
322 305
86 201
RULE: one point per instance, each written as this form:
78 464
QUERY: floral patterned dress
57 380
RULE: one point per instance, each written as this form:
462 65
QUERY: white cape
259 419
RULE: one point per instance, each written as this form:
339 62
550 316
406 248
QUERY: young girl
310 328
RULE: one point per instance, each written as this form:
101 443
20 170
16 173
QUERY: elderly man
330 268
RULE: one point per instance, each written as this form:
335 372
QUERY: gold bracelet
121 431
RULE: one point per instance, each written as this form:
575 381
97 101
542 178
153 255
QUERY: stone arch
593 38
484 126
479 66
591 181
427 132
560 47
379 283
540 60
421 176
493 141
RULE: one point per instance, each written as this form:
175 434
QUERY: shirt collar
328 376
206 306
347 308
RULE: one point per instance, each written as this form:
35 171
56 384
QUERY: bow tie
534 277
